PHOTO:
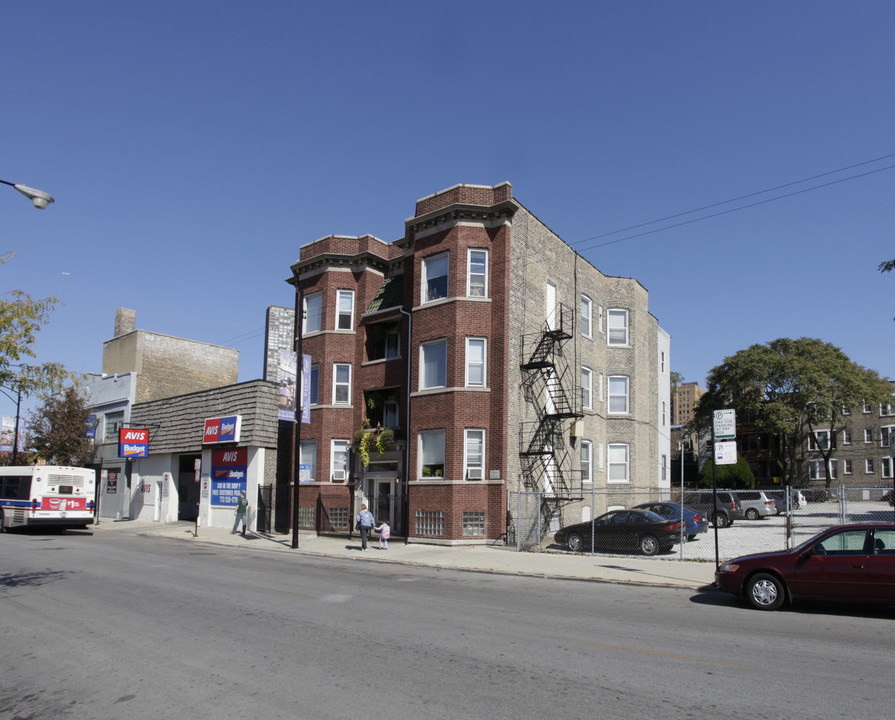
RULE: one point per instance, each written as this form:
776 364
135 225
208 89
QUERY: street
125 627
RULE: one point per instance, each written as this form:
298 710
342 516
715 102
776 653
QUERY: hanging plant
363 447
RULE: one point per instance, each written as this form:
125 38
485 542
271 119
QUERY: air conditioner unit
474 473
338 476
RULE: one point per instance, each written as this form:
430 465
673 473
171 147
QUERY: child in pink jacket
385 533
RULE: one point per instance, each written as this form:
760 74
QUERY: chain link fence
536 516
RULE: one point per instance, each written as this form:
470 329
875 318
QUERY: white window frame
307 455
885 468
819 440
587 462
847 466
587 388
869 466
587 317
846 436
613 326
345 297
429 348
471 286
614 396
312 321
469 461
885 409
341 384
615 463
482 364
428 442
338 458
868 435
427 264
885 432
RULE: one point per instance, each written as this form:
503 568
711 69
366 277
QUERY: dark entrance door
187 488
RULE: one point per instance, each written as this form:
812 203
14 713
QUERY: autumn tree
792 389
58 429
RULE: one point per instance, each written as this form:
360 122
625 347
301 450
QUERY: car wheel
649 545
765 591
574 543
752 514
721 520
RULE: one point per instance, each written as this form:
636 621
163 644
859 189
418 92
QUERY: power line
736 199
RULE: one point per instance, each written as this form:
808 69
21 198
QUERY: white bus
46 496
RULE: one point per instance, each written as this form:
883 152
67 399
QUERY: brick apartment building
497 359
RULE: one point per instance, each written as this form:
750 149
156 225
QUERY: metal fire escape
550 386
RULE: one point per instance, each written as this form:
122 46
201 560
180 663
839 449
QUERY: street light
38 198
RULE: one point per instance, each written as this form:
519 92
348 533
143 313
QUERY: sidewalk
666 572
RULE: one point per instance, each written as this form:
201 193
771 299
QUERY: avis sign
222 430
133 443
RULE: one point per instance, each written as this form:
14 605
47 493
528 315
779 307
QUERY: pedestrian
242 506
364 522
385 533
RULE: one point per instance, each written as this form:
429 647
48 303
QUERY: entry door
384 502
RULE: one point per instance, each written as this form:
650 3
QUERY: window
341 384
114 421
587 388
868 408
314 384
474 523
600 386
338 463
431 450
433 364
886 435
618 463
435 277
663 413
885 466
345 317
474 455
816 469
886 409
618 394
587 316
587 461
307 471
430 522
475 362
869 466
868 435
847 467
390 417
846 437
617 324
477 273
600 318
383 340
313 313
819 440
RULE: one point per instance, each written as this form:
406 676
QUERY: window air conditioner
474 473
338 476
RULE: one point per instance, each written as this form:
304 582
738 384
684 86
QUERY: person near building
385 533
365 524
242 506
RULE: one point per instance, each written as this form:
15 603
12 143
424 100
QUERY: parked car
728 508
816 494
755 504
797 499
850 563
627 530
695 522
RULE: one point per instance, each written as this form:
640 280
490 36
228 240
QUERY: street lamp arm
38 198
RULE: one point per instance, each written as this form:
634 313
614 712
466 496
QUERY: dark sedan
850 563
695 522
628 530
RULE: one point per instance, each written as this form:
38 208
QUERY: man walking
242 506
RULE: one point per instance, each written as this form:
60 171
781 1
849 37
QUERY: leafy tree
21 318
791 389
58 429
733 477
887 266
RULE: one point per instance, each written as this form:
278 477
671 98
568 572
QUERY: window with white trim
868 435
477 273
869 466
433 364
816 469
617 325
868 408
307 461
618 394
819 440
847 467
846 436
587 461
886 409
587 388
475 362
345 314
619 461
341 384
313 320
435 277
338 463
431 454
587 316
885 467
474 454
886 434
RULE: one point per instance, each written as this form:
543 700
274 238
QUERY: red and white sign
222 430
57 504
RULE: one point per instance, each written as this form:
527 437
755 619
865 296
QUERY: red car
850 563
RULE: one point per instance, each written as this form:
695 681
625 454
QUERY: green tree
887 266
791 389
58 429
732 477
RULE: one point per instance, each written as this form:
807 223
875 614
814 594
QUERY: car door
836 568
606 528
881 566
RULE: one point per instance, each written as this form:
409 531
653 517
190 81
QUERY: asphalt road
131 627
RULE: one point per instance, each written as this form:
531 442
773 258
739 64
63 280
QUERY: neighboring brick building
683 402
501 359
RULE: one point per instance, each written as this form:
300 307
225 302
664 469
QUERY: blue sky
194 146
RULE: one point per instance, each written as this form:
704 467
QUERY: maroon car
850 563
